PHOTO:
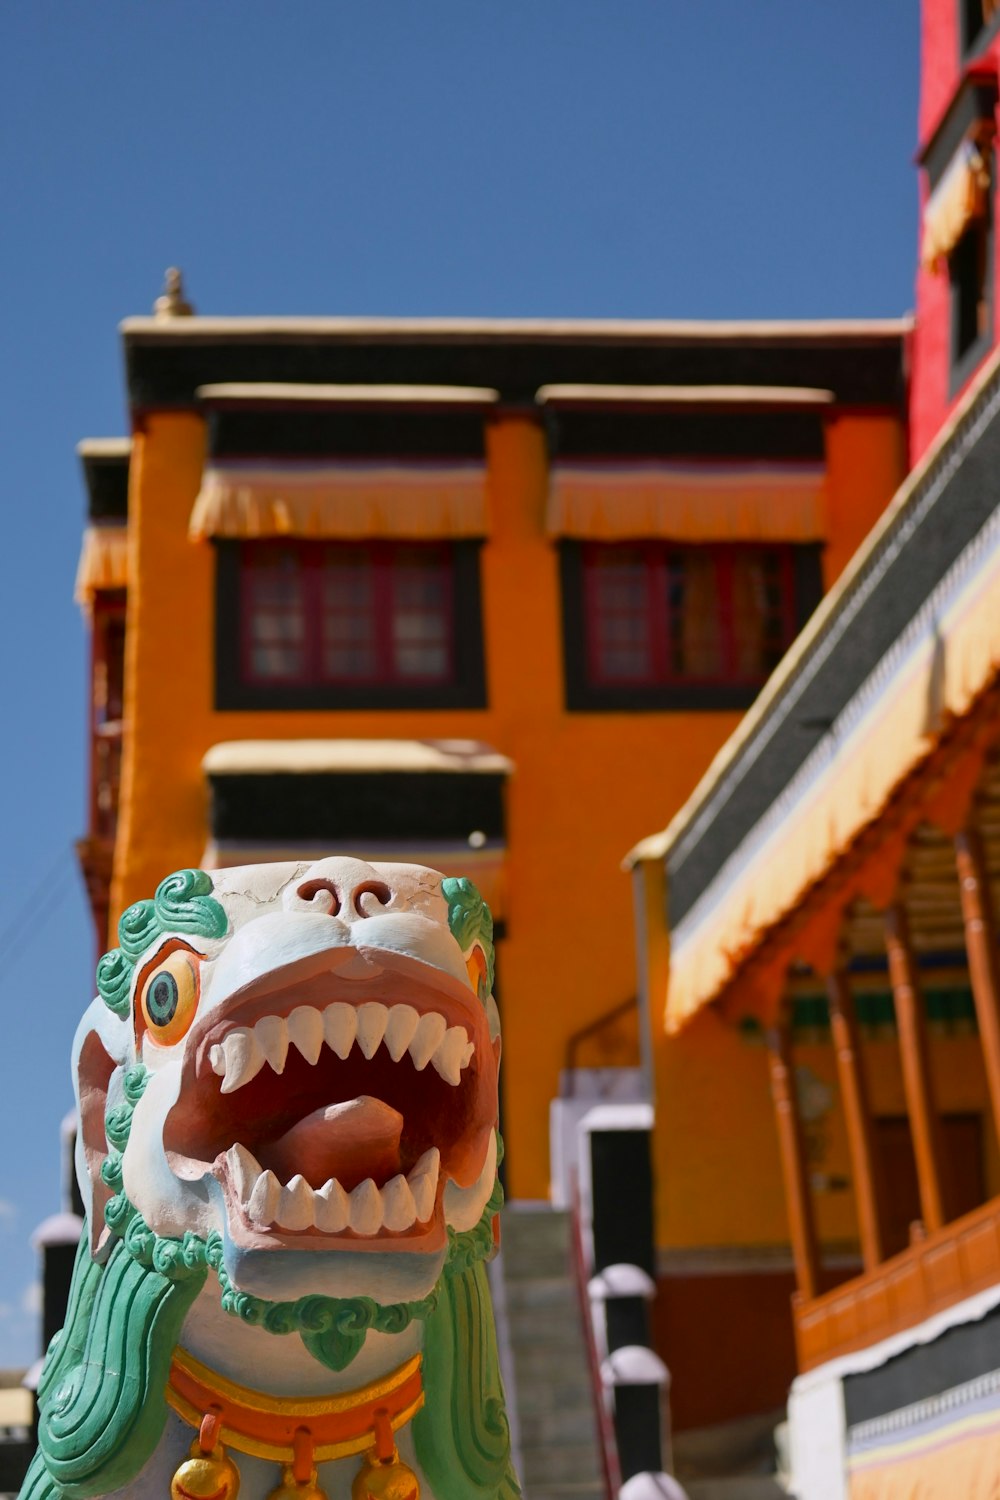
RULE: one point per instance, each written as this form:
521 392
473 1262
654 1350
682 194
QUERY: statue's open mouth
337 1107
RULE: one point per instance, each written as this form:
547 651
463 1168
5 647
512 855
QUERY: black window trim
970 46
962 364
467 690
584 696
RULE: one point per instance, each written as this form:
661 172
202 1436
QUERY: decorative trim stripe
966 1411
687 502
103 562
342 500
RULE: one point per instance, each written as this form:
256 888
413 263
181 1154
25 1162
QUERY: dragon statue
288 1148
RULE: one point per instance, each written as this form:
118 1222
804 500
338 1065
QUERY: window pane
349 645
421 614
368 612
618 617
760 631
694 626
275 612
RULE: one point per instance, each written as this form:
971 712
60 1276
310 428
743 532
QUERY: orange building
478 594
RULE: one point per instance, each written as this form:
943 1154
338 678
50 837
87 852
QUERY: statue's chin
284 1275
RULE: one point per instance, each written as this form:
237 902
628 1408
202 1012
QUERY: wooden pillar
981 948
793 1160
857 1116
925 1127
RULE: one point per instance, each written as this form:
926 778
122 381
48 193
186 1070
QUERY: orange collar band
273 1426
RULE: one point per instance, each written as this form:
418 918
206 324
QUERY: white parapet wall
817 1422
817 1431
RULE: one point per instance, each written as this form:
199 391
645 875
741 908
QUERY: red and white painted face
323 1079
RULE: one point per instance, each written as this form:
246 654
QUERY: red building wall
942 72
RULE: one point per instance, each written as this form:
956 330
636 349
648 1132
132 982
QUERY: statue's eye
169 997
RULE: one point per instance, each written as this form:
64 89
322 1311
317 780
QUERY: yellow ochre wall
865 465
717 1172
585 786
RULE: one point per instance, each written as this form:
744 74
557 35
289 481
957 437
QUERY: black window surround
288 808
466 689
583 695
969 117
974 30
972 281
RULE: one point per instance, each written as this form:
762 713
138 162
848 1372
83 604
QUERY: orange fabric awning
961 198
687 502
843 787
341 501
103 562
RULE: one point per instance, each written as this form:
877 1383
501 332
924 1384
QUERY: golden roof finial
172 303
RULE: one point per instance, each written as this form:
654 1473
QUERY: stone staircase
553 1423
553 1426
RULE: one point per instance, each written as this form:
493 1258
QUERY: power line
27 917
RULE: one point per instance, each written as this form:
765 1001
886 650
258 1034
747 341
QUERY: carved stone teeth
332 1207
401 1025
295 1206
427 1038
447 1060
244 1169
399 1210
272 1034
340 1027
372 1019
305 1031
243 1058
464 1206
264 1199
366 1208
423 1181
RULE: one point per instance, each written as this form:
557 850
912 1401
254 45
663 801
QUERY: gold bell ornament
207 1473
299 1479
383 1475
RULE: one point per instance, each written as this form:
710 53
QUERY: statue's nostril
375 888
322 894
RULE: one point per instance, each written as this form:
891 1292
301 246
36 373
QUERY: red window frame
656 560
382 562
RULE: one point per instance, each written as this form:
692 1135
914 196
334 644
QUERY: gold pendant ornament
383 1475
207 1473
291 1488
300 1481
385 1480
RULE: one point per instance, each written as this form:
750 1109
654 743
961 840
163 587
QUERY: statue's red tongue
349 1141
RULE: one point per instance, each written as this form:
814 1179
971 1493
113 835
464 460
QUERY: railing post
925 1126
793 1162
981 949
857 1116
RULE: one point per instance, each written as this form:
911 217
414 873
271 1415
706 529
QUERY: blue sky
631 158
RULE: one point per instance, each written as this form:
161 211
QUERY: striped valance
341 500
960 199
103 562
687 502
